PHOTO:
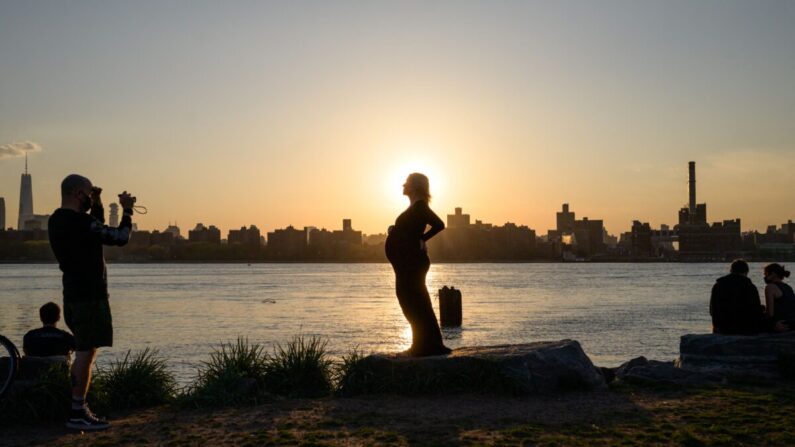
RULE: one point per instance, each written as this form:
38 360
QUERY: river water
616 311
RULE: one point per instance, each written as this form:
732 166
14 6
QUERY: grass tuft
302 368
45 400
138 380
234 375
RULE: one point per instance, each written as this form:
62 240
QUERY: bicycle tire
9 364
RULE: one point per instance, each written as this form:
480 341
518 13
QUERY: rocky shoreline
722 390
562 366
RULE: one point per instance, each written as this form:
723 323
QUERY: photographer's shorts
90 322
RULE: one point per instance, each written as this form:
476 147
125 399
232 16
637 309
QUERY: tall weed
235 374
301 368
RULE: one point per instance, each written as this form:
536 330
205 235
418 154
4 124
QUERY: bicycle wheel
9 364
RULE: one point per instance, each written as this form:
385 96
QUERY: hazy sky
233 113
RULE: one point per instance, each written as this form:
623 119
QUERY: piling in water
450 313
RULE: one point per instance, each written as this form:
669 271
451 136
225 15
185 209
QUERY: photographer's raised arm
120 235
97 210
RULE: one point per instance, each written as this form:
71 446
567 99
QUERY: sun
397 173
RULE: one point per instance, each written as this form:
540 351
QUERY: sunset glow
305 114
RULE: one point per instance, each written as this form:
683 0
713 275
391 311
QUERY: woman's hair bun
777 269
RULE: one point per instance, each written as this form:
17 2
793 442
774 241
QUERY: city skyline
689 208
302 114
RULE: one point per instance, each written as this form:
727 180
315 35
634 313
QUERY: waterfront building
773 236
163 239
719 241
11 235
2 213
458 220
665 241
694 213
640 239
201 233
611 241
374 239
565 221
174 230
512 242
36 222
700 241
348 236
776 250
140 239
335 245
245 236
464 241
288 243
588 237
789 229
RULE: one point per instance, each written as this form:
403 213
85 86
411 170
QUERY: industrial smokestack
692 188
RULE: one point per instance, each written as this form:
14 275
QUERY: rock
641 370
608 373
766 356
533 368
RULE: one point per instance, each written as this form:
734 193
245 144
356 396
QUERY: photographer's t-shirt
76 240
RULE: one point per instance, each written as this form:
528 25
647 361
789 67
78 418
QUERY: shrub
138 380
234 375
300 369
45 400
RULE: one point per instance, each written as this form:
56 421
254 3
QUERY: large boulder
642 370
767 356
532 368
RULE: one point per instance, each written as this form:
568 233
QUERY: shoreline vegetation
297 395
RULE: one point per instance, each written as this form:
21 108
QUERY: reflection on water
405 338
451 333
617 311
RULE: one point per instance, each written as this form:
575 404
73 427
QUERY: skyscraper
25 198
2 213
113 217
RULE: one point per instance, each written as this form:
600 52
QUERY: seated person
48 340
779 296
735 306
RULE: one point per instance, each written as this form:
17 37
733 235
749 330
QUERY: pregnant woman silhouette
406 251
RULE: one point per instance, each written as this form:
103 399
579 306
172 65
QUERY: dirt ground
632 416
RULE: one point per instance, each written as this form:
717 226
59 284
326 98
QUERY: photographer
76 239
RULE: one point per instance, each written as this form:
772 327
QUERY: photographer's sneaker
84 419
